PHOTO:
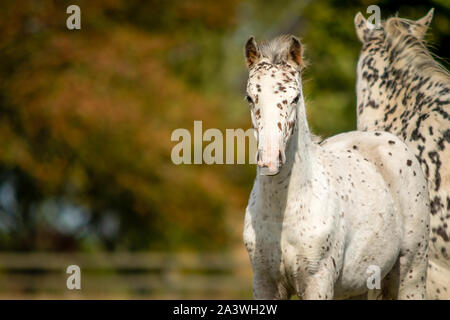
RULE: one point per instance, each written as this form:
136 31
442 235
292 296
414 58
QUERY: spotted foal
320 216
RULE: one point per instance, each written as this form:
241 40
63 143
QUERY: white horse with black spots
319 216
403 90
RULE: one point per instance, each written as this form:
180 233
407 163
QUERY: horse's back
394 161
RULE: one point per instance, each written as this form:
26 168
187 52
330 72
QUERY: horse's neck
408 81
296 174
428 81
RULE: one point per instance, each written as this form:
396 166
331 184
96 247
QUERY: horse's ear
361 26
295 52
252 54
420 26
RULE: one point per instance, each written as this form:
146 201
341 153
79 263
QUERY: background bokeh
85 124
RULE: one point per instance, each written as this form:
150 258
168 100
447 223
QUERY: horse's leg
413 257
412 273
412 280
265 288
391 283
319 286
407 279
438 280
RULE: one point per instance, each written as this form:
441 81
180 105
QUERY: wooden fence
126 275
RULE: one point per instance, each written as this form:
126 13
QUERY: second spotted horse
403 90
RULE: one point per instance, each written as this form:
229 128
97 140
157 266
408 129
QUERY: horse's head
273 92
367 32
396 38
388 51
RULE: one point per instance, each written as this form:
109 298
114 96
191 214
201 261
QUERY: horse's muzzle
268 166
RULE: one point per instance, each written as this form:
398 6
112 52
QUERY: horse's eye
249 99
296 99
